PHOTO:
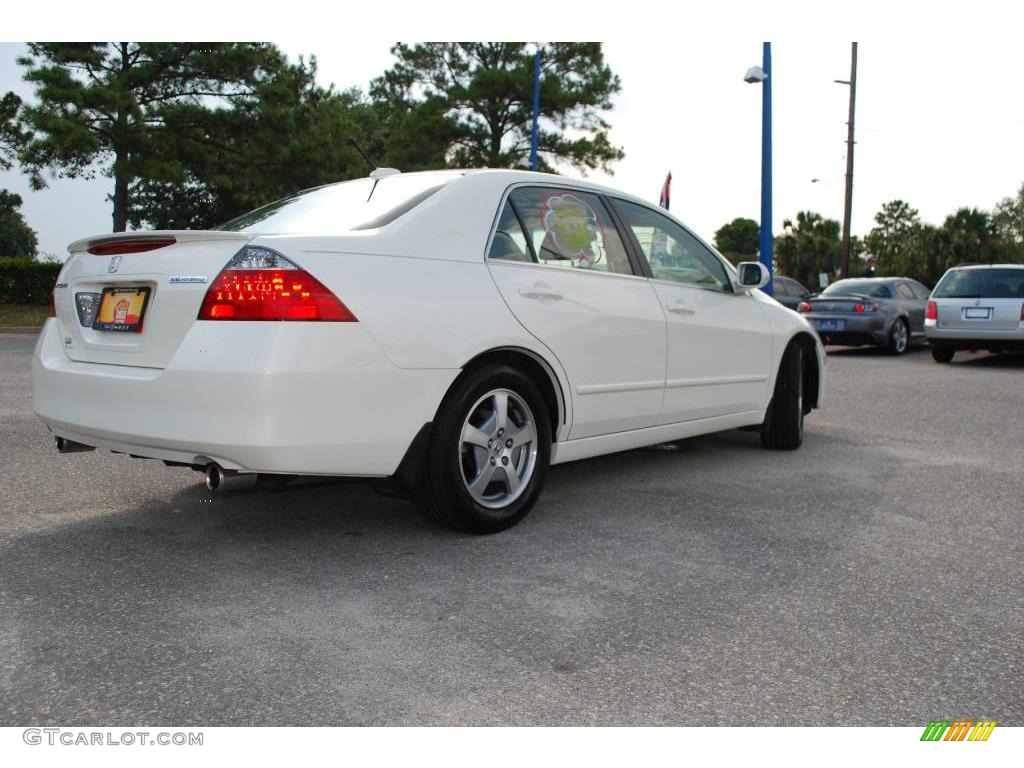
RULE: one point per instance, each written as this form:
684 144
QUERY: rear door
564 272
154 295
719 342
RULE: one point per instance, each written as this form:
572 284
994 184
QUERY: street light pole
848 203
766 239
762 76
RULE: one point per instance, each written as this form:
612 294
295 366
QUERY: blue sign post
536 110
766 240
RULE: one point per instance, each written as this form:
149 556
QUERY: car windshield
346 207
860 288
981 283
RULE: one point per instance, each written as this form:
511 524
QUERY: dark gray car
884 311
789 292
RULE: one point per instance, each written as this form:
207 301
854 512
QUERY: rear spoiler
164 236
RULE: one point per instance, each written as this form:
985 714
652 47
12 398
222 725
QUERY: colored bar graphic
982 730
934 730
958 730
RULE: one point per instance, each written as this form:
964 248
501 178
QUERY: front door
719 342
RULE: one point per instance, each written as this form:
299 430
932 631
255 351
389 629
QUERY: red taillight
260 284
858 307
134 245
804 307
932 312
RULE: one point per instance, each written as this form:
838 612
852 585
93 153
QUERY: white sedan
452 333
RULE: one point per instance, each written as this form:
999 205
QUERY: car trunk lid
160 275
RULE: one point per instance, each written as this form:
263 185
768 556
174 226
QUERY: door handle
680 308
539 291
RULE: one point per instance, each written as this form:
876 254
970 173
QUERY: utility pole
848 206
536 110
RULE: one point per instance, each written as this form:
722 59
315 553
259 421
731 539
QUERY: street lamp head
755 75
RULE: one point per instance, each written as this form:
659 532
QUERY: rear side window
905 291
992 283
561 228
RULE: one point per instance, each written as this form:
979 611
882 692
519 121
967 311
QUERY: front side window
672 252
563 228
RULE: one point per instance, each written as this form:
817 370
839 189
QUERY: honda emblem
115 263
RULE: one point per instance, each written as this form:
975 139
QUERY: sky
938 125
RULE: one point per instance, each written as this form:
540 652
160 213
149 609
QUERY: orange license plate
121 309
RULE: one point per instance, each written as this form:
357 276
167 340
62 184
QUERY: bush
26 281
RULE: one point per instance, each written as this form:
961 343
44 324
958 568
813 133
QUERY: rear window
859 287
350 206
981 283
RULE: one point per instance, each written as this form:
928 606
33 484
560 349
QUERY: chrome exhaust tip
220 480
64 445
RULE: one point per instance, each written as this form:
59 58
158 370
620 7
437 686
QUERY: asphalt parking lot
875 577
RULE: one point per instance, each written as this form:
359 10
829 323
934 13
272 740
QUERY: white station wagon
452 333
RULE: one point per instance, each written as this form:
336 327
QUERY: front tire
783 429
899 337
942 354
488 453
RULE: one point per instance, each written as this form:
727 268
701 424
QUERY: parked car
789 292
448 333
977 307
885 311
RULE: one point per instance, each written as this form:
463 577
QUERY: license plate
122 309
977 313
830 325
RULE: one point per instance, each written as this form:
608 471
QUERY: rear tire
488 453
899 337
783 428
942 354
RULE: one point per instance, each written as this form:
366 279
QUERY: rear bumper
296 398
857 329
974 338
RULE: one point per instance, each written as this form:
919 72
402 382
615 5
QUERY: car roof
516 176
988 266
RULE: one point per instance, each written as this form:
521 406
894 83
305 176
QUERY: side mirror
752 274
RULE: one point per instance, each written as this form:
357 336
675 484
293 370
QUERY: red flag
666 191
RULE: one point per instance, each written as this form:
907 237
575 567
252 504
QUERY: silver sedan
977 307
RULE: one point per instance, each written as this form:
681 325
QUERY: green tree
10 135
103 103
17 238
894 240
973 238
739 240
287 135
1008 221
484 91
810 246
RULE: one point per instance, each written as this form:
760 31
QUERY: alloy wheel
498 448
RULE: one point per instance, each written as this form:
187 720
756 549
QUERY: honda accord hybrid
451 334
